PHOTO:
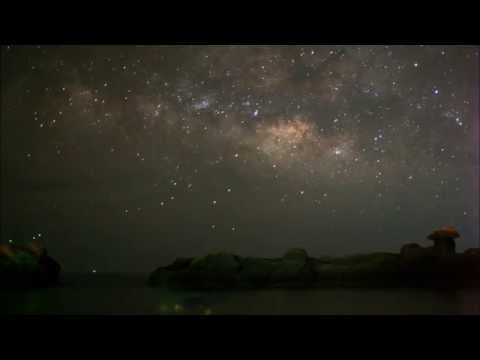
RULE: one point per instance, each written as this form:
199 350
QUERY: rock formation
444 240
27 266
412 252
414 266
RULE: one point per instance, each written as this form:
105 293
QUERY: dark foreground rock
27 266
297 269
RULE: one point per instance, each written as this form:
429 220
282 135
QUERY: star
333 139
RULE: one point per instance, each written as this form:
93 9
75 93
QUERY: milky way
124 157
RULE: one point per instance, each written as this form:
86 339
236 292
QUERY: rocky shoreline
436 266
296 269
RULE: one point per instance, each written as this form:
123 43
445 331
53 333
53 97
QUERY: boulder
34 249
159 277
293 269
472 252
414 266
49 269
298 255
374 263
216 263
213 271
366 267
472 262
180 264
256 272
412 251
27 266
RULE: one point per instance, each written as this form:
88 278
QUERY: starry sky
121 158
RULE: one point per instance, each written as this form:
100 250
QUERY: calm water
122 294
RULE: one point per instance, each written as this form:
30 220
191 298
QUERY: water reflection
110 297
190 306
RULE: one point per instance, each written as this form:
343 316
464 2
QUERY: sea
128 294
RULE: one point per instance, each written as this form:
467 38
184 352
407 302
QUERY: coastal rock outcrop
415 265
294 269
216 270
27 266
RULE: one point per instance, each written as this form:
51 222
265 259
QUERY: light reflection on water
125 295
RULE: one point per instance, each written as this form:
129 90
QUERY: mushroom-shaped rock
444 240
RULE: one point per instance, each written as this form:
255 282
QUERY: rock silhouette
444 240
413 266
27 266
412 251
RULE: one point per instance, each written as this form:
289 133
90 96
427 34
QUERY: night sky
121 158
